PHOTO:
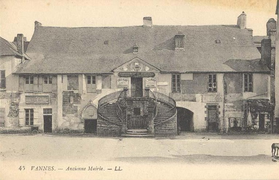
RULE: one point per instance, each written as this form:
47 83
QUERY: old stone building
277 69
11 55
143 80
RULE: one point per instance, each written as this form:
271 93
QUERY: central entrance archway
185 119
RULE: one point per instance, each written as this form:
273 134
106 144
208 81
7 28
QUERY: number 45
21 168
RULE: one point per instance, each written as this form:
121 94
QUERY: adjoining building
143 80
11 56
277 70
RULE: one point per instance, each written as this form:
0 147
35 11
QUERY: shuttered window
248 82
47 79
176 81
2 117
3 79
212 83
91 79
91 84
29 80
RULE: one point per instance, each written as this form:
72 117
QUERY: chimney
241 20
270 26
37 24
266 52
135 49
147 21
20 43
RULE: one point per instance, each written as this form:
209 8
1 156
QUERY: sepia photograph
139 89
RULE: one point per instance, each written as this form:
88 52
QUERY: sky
18 16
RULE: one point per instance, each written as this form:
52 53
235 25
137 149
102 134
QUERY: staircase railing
153 96
165 99
108 98
105 100
167 119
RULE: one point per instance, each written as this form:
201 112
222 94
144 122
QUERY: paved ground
189 156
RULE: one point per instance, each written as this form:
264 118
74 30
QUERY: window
29 117
137 111
175 83
91 84
179 41
212 83
91 79
248 82
3 79
2 117
29 80
48 79
47 111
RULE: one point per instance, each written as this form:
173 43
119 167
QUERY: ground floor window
2 79
29 117
2 117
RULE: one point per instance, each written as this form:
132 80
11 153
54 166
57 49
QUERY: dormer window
179 41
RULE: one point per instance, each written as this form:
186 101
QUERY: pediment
136 65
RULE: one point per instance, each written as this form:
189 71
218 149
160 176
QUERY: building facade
144 80
277 69
11 56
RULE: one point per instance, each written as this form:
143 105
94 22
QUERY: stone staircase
109 112
164 112
137 133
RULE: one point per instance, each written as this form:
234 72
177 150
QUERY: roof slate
101 49
6 48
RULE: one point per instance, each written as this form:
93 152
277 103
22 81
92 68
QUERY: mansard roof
102 49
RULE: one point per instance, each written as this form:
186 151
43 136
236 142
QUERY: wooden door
261 122
90 125
212 118
136 87
47 123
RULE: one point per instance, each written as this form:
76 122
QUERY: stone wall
105 128
168 128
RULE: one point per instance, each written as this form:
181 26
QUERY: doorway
261 122
212 115
90 125
136 87
47 112
47 123
185 119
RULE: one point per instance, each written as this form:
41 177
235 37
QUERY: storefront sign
122 82
230 107
136 74
150 83
36 99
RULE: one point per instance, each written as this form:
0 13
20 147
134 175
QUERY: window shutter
54 84
36 84
40 84
21 84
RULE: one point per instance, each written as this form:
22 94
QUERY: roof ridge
79 27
